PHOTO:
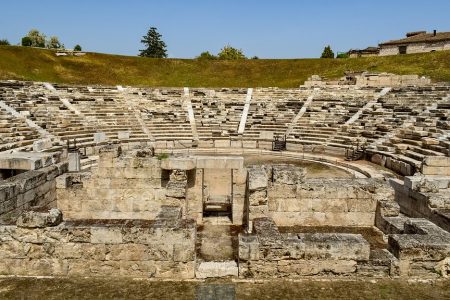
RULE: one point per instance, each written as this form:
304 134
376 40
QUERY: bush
26 41
255 57
37 38
77 48
206 55
230 53
4 42
162 156
342 55
53 43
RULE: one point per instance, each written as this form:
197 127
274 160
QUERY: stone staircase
216 246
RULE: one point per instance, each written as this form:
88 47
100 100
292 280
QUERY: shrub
37 38
162 156
230 53
4 42
342 55
206 55
255 57
53 43
26 41
77 48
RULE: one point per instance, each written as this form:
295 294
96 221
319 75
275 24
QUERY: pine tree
156 47
327 52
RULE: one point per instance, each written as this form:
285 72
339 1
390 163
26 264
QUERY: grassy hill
94 68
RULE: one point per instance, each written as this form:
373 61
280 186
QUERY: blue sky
268 29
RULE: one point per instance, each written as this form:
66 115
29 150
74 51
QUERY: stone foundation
163 248
282 193
36 187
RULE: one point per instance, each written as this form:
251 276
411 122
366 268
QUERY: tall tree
327 52
156 47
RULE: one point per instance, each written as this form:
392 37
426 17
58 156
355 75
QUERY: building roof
367 50
421 38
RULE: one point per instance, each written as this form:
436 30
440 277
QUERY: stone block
106 235
249 144
123 135
315 267
178 163
100 137
212 269
222 143
248 247
335 246
288 174
41 145
33 219
435 170
74 161
220 162
266 135
437 161
257 179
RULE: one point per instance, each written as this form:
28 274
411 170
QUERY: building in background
417 42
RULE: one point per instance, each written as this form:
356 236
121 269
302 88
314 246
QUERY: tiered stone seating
405 123
218 112
397 109
15 133
272 110
109 113
48 112
165 115
327 112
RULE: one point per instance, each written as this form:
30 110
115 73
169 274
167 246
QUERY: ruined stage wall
159 249
29 189
122 187
282 193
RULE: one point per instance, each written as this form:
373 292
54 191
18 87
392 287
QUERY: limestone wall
268 253
386 79
124 186
160 249
32 188
422 248
424 197
282 193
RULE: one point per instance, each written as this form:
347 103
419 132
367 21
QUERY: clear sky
266 28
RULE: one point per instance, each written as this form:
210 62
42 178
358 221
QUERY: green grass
42 65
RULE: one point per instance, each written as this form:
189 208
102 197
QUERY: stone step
217 269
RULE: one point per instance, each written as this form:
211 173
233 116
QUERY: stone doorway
217 195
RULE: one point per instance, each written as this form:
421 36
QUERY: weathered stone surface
421 248
178 163
33 219
216 269
315 267
288 174
257 179
248 247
